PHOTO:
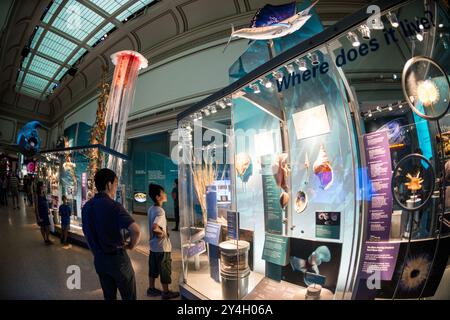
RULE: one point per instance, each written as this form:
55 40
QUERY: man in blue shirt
103 221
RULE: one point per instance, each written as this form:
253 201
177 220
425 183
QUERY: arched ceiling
164 29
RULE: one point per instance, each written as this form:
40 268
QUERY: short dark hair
102 177
154 190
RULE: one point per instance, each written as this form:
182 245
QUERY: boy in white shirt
160 262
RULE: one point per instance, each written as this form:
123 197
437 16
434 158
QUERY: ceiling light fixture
365 31
353 38
314 59
301 65
393 20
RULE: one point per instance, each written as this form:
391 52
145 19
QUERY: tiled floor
31 270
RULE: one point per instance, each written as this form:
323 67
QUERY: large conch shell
323 170
243 165
281 171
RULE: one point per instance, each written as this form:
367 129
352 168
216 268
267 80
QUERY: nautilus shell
301 201
281 171
243 165
323 170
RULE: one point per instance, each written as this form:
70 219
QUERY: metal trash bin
234 269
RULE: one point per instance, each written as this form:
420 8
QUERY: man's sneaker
153 292
169 295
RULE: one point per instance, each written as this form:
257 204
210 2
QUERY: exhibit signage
328 225
195 249
273 214
276 249
212 235
379 257
379 167
233 225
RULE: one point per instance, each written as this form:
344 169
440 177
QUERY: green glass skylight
44 67
67 31
100 34
110 6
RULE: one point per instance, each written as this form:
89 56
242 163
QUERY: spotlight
390 107
266 83
393 20
290 68
206 111
221 105
441 25
400 106
314 59
255 88
379 108
278 75
370 114
365 31
394 76
228 102
213 109
301 65
419 36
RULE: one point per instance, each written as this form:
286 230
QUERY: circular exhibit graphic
426 88
413 182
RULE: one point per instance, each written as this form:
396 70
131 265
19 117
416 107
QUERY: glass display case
335 153
68 172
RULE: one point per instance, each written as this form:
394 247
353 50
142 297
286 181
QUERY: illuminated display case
66 172
335 157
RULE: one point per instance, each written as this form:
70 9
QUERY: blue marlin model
274 28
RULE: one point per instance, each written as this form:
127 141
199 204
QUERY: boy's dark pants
116 272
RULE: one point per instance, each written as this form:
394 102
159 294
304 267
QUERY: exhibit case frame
334 164
66 172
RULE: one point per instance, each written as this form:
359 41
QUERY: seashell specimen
323 170
244 167
301 201
414 183
284 199
281 171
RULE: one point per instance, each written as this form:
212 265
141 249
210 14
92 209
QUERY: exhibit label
379 166
273 214
276 249
233 225
212 235
328 225
379 257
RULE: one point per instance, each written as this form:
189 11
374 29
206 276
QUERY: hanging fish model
272 27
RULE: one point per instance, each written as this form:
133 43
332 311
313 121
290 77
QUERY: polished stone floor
31 270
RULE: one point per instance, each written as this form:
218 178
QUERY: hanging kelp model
98 131
120 101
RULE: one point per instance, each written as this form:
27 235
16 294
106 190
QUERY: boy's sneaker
153 292
169 295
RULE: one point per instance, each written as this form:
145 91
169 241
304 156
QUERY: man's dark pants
116 272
